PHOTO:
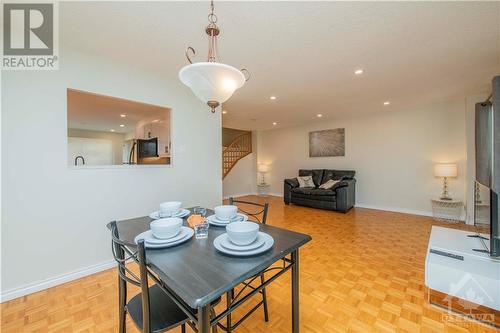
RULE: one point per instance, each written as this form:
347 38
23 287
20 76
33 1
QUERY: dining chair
152 310
257 213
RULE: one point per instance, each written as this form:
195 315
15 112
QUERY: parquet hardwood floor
362 272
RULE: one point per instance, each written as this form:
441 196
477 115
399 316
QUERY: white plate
183 213
185 231
268 243
212 219
151 239
258 242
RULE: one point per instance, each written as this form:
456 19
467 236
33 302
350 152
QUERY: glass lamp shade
446 170
212 81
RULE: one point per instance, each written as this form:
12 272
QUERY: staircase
237 149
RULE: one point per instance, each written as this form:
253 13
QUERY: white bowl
242 233
166 228
225 212
170 208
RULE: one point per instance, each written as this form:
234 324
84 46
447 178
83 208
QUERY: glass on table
200 223
201 230
200 211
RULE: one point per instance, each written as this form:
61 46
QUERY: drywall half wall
54 217
242 179
392 152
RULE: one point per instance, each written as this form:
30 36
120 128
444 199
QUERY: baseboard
254 193
361 205
402 210
51 282
396 210
239 195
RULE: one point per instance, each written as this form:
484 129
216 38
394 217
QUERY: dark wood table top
196 272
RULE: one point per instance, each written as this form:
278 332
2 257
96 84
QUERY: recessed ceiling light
358 71
275 123
122 125
319 115
123 115
111 130
224 111
387 103
272 98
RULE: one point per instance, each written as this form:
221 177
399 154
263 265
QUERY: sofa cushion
305 182
312 191
317 175
322 192
329 184
336 175
314 194
302 190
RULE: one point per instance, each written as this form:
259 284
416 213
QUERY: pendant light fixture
211 81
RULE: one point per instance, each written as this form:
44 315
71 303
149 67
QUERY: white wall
54 217
242 179
392 152
117 140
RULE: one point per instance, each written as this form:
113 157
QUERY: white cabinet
453 267
156 129
162 128
147 131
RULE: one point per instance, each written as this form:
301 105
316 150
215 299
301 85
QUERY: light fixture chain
212 18
212 31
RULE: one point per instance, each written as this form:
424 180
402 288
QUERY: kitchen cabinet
157 129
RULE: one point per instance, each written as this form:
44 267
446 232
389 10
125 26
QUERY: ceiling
305 53
89 111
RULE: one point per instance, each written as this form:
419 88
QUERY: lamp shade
445 170
263 168
212 81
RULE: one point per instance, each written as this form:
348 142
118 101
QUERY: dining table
194 274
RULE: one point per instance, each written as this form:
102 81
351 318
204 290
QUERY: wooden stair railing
239 148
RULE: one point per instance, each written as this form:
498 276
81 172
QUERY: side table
447 210
262 189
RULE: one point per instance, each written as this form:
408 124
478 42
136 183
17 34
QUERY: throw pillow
329 184
306 181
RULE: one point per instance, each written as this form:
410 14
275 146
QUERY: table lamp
445 170
262 168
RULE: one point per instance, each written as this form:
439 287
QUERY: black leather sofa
341 197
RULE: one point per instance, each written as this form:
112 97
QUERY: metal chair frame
123 255
259 216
